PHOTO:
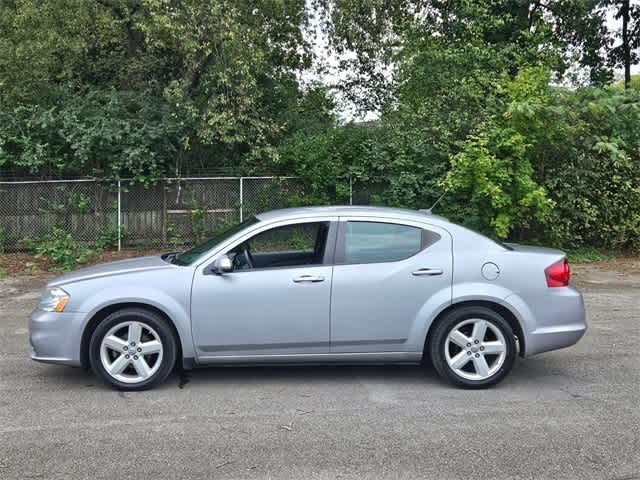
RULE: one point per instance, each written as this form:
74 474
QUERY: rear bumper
53 339
554 338
553 321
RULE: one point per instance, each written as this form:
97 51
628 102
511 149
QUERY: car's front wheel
473 347
133 349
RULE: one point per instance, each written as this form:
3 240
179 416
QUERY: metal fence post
350 190
119 216
241 199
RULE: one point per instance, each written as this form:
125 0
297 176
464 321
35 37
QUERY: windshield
190 256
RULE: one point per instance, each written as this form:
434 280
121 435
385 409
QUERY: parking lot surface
574 413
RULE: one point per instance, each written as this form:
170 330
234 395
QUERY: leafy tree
378 37
222 76
236 61
471 98
103 133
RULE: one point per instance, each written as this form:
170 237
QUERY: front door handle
427 271
309 279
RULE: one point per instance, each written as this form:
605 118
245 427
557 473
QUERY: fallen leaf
288 427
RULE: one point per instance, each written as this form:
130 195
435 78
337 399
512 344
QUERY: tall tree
223 74
374 34
625 53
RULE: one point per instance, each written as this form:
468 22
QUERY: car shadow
539 370
304 374
66 377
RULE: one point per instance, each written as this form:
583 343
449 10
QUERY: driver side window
287 246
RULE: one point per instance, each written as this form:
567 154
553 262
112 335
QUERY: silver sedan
315 285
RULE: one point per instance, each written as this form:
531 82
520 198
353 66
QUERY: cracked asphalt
569 414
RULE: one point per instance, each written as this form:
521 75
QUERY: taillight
558 274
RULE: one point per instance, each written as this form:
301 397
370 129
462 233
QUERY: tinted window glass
190 256
368 242
287 246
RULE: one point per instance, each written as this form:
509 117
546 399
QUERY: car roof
349 210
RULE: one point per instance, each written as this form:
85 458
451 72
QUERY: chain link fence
173 212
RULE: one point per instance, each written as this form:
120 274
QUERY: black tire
148 319
437 345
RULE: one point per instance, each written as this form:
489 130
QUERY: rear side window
373 242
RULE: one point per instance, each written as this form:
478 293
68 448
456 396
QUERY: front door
385 273
275 301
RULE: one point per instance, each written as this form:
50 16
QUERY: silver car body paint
376 312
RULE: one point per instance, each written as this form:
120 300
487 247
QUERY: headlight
54 300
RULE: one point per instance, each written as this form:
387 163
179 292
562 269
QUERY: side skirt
313 358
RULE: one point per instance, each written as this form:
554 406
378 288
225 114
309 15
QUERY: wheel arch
500 309
105 311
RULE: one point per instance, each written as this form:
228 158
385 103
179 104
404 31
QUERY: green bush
494 173
550 164
62 251
387 164
105 133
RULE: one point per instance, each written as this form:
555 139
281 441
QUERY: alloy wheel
475 349
131 352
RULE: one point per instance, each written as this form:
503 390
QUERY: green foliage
3 239
76 202
108 238
199 224
633 84
174 239
494 174
103 133
62 251
146 88
584 150
58 246
395 166
233 55
587 255
547 164
222 224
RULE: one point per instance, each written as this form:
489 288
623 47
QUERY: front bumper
53 337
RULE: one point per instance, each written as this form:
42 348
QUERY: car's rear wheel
473 347
133 349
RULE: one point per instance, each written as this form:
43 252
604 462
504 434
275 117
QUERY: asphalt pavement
570 414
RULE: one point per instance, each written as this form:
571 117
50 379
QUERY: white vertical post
241 199
119 216
350 190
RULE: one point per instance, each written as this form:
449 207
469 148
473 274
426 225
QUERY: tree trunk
626 47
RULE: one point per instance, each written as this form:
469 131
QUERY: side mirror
222 264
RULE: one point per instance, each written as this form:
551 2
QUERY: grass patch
587 255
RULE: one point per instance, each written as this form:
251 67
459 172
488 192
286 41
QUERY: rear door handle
427 271
309 279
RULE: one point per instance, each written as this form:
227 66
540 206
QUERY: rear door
385 271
